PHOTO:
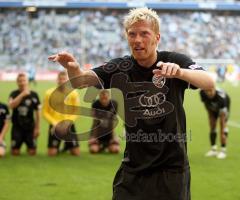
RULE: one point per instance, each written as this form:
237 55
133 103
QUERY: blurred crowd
95 36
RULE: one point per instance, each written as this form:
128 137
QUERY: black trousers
157 185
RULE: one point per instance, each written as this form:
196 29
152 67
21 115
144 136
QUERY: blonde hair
104 91
142 14
62 73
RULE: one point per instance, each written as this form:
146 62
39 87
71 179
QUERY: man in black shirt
217 104
155 164
102 135
4 118
25 128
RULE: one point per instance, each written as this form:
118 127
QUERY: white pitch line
234 124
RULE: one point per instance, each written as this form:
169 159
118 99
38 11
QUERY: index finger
52 57
66 55
160 64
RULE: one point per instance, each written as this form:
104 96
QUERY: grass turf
90 176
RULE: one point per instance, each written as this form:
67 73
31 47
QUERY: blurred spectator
221 72
31 70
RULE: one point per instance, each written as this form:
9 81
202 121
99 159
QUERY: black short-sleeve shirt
106 115
220 102
4 115
154 116
23 114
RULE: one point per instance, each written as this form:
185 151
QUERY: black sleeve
182 60
222 98
94 104
186 63
13 94
36 102
7 111
202 95
224 102
7 114
106 71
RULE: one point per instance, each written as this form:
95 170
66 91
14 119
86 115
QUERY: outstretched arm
198 78
79 78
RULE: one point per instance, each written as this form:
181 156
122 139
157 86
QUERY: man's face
142 40
104 99
22 82
62 79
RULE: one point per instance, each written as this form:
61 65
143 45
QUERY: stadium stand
95 35
24 39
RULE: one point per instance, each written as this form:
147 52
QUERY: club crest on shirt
158 81
28 102
2 111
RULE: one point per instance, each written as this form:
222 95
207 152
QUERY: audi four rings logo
153 100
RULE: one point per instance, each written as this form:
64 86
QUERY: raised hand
79 78
168 70
66 59
25 92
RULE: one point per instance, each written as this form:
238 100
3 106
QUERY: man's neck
23 88
105 104
148 62
61 89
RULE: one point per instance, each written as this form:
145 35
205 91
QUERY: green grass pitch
89 177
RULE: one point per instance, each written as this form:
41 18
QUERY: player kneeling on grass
217 104
25 128
57 129
102 135
4 118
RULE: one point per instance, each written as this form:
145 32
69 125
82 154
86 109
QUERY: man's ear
158 37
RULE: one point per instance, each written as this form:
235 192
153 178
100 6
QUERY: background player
4 122
217 104
54 117
103 137
25 127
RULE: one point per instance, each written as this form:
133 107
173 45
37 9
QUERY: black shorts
158 185
105 141
19 136
217 114
226 110
54 141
